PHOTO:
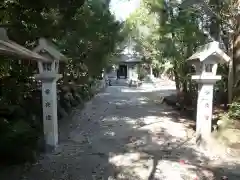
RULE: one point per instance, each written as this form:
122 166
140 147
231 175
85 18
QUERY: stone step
119 82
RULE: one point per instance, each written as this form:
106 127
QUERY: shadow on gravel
125 136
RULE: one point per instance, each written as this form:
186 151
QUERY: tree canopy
84 31
168 32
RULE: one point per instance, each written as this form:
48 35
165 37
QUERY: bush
20 132
234 110
18 141
84 92
142 73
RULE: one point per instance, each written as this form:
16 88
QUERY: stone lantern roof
8 47
47 46
211 49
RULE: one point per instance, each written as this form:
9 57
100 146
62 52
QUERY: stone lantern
206 60
48 75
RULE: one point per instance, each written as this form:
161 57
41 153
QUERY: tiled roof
129 58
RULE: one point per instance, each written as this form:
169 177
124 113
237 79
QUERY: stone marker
206 60
48 74
48 59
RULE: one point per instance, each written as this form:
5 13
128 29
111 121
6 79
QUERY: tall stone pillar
49 108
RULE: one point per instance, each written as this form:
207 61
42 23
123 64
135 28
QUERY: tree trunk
215 23
151 70
230 82
235 58
233 52
176 77
230 72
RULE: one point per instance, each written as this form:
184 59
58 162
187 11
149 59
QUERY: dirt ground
128 134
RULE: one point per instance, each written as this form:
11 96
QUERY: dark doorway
122 71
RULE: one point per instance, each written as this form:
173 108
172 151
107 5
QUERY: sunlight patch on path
132 163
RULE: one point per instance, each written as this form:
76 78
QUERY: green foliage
164 34
143 30
142 73
84 31
234 110
18 140
92 42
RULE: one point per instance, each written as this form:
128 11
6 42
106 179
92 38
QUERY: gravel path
128 134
